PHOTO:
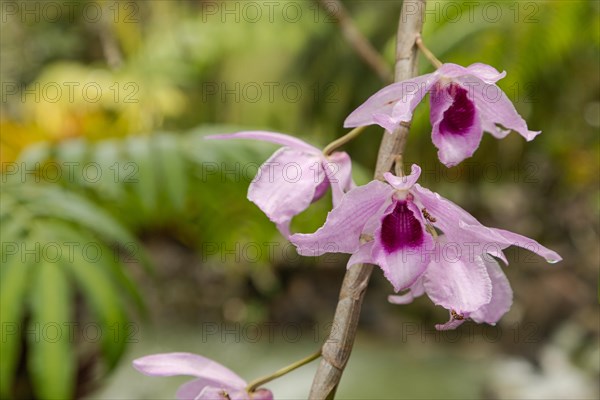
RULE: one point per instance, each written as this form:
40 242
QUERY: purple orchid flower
464 103
294 177
393 225
213 380
483 295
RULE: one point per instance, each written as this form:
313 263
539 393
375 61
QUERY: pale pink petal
374 222
446 213
455 121
215 393
321 189
514 239
417 289
452 323
455 283
453 221
272 137
404 182
484 72
262 394
170 364
502 296
362 255
285 185
496 108
461 227
210 393
343 227
338 168
392 104
284 228
494 250
191 389
201 389
402 246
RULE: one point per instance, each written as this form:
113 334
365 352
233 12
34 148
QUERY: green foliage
63 265
180 183
79 270
51 361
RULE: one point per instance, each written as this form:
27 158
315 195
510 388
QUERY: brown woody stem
336 350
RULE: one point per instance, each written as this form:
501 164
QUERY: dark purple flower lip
460 116
401 229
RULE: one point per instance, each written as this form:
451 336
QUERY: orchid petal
191 389
456 283
262 394
481 71
417 289
502 296
452 323
486 73
285 185
496 108
514 239
344 224
284 228
198 390
446 213
214 393
338 169
170 364
455 121
362 255
452 220
461 227
404 182
320 190
265 136
402 245
374 222
392 104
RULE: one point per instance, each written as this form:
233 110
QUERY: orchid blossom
468 287
213 380
294 177
465 101
394 226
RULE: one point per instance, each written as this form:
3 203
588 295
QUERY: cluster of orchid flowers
423 243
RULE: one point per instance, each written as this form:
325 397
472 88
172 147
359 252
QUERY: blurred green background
124 233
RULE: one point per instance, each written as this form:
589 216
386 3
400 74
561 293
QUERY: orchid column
336 350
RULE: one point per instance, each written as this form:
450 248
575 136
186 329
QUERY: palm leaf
13 287
51 361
